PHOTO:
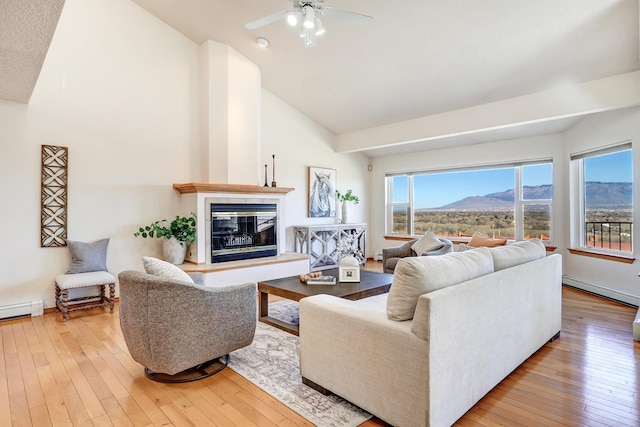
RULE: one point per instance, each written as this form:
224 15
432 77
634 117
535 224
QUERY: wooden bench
65 282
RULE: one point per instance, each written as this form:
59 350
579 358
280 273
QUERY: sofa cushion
416 276
480 240
164 269
428 242
517 253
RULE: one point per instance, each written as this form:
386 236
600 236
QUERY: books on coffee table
321 280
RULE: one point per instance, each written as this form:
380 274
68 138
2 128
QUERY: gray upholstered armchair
181 331
391 256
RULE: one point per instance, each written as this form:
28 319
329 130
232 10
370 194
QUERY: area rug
272 363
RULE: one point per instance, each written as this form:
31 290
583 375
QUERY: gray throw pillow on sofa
87 257
419 275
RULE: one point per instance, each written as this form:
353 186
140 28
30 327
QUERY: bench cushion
81 280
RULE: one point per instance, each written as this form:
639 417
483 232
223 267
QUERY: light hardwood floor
80 373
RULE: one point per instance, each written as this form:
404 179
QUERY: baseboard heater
603 291
24 309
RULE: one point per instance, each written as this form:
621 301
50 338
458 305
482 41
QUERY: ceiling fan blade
267 20
345 15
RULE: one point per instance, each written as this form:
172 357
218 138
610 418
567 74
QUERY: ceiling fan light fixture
292 18
319 27
309 17
305 17
310 39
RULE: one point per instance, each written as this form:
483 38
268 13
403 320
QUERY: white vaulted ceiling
420 59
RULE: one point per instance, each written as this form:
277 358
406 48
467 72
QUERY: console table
321 243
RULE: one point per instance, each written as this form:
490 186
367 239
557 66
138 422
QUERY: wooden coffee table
370 284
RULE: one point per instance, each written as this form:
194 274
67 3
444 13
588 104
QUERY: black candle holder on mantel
273 181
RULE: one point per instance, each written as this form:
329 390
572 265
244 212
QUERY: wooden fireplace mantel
229 188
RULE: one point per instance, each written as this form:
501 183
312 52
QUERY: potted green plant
178 234
344 198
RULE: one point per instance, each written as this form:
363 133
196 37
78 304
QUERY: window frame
391 205
519 202
578 216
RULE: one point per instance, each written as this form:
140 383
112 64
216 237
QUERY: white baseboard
33 308
605 291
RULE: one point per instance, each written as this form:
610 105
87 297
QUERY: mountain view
599 195
608 215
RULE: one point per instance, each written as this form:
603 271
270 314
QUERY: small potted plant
344 198
178 234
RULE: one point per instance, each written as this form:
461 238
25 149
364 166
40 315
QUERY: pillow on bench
415 276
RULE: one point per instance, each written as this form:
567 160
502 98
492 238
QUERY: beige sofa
474 317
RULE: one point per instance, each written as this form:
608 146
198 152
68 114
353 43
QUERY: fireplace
243 231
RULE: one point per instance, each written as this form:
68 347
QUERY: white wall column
230 116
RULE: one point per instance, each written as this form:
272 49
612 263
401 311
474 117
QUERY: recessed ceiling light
262 42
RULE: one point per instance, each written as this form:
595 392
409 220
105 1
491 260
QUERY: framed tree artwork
322 192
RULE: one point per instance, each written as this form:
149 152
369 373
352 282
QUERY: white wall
298 143
125 100
230 114
614 279
118 87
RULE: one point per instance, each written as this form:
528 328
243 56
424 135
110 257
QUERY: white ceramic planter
344 211
172 251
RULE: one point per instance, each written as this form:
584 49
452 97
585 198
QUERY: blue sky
435 190
439 189
615 167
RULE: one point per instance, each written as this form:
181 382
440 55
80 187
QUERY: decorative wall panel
53 200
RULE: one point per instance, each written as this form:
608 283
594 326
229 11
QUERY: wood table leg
264 304
263 311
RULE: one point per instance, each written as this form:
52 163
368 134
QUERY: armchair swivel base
198 372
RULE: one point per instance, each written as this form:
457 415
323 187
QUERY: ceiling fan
305 17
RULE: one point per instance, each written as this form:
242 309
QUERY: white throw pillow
164 269
428 242
517 253
415 276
